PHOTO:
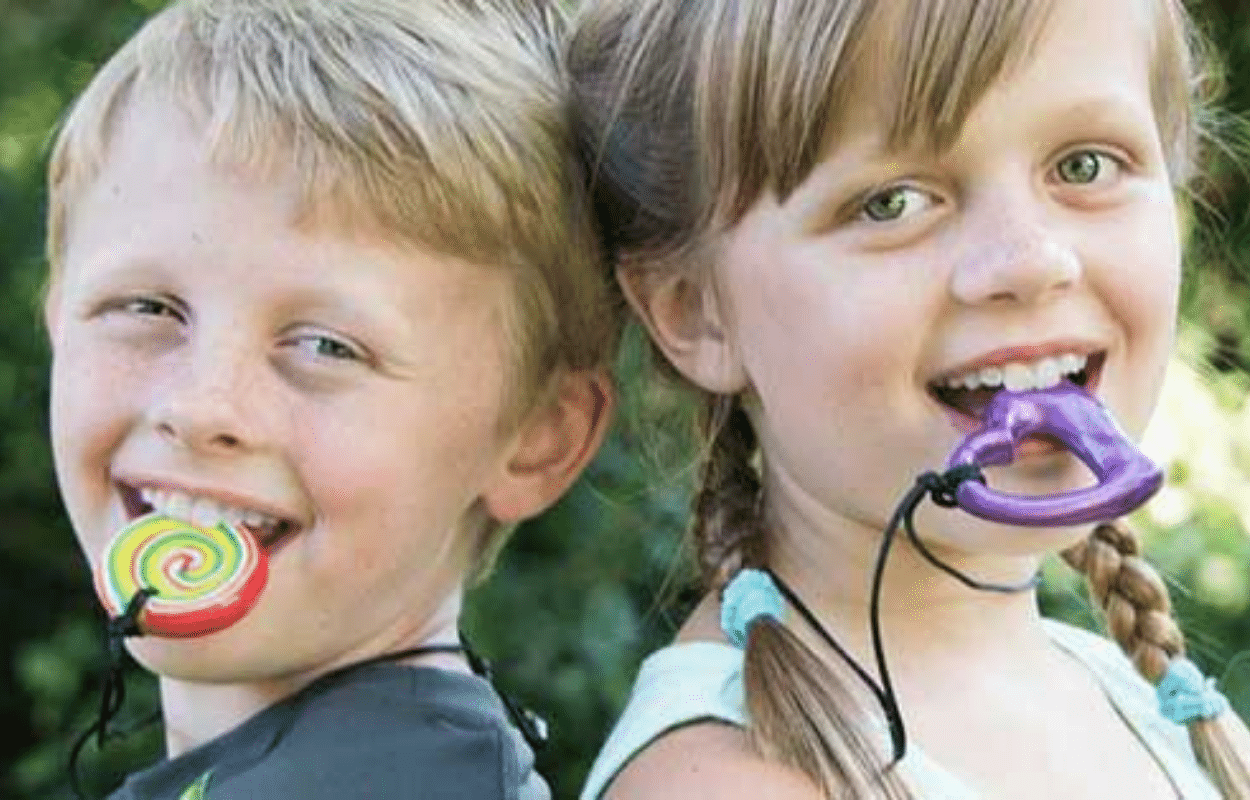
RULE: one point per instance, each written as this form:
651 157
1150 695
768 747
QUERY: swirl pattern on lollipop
202 579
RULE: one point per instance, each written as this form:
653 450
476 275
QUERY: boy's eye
895 203
140 309
1084 167
327 347
149 306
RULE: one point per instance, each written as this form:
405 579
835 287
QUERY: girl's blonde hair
440 124
688 114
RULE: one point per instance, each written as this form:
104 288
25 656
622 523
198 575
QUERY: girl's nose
203 406
1014 261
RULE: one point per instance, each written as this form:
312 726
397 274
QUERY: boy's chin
223 657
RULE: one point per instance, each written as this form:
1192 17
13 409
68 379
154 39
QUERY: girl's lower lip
1037 447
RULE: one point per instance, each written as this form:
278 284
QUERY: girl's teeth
1049 371
1041 374
1017 377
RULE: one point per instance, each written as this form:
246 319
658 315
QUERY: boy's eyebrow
111 269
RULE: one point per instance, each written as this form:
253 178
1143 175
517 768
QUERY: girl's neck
927 616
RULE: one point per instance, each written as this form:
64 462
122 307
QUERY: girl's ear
687 322
552 446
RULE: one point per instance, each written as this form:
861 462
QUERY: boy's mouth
968 393
269 531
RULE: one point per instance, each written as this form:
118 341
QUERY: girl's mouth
967 394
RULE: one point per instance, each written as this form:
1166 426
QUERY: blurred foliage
583 592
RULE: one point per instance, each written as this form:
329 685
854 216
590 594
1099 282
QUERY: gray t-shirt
378 731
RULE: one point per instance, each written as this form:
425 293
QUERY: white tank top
693 682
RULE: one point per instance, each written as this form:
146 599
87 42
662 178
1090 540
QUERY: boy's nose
201 406
1014 260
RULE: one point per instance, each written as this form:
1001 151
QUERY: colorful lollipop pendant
1126 477
198 580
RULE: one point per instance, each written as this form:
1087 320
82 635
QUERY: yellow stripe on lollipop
199 576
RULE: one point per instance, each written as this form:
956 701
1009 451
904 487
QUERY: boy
321 269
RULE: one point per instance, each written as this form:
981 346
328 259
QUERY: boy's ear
686 321
552 446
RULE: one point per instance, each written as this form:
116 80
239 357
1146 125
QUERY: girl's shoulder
1104 659
707 760
682 735
1137 704
677 687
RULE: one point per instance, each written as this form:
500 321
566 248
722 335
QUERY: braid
802 712
1138 614
727 530
1132 596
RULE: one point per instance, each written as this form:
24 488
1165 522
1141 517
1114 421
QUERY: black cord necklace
941 488
113 691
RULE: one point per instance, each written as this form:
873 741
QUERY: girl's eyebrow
850 167
866 158
1113 108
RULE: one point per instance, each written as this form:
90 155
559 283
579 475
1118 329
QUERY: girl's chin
954 531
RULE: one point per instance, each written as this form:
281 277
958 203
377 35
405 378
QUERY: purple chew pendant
1126 477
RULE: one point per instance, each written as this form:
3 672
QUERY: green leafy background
588 588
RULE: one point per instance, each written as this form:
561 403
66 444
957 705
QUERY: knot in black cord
113 690
127 623
941 487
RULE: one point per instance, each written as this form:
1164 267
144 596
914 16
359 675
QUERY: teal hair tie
1185 695
750 595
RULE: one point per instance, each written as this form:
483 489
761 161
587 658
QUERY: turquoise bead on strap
1185 695
748 597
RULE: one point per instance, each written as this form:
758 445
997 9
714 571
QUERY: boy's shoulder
401 732
375 732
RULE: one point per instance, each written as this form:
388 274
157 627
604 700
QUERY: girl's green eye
1082 167
894 203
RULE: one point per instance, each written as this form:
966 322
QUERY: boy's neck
195 712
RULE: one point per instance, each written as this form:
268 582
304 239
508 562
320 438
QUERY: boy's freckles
207 345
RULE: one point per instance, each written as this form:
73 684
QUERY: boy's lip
134 505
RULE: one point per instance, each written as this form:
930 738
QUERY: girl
850 224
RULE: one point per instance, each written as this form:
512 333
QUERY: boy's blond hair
439 124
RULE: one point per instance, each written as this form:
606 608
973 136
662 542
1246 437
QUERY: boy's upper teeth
204 511
1040 374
